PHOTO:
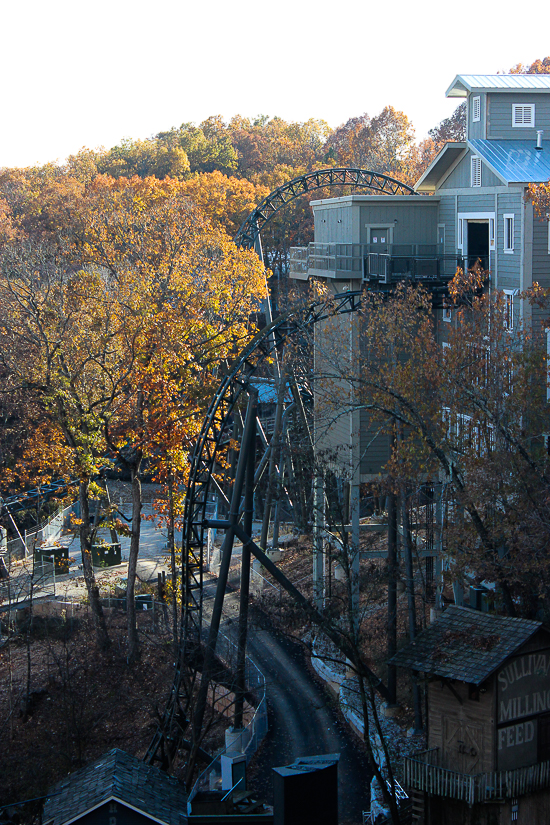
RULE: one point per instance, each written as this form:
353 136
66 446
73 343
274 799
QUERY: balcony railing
415 262
422 773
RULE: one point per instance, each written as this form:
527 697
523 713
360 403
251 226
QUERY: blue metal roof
515 161
464 83
267 391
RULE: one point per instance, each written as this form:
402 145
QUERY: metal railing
422 773
346 259
41 581
255 730
387 267
417 262
52 528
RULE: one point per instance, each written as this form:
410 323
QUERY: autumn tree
473 416
160 159
190 292
148 300
537 67
382 144
61 354
539 195
453 128
227 201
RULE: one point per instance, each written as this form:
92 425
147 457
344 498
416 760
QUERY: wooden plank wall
459 729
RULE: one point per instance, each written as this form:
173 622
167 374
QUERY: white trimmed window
447 315
508 317
523 115
508 233
476 170
491 233
476 109
460 243
448 425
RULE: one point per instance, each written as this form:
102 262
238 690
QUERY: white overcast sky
91 73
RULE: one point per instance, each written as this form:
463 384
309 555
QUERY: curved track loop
363 178
206 466
207 460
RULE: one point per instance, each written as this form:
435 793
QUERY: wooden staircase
418 809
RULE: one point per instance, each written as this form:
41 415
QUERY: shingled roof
466 644
117 776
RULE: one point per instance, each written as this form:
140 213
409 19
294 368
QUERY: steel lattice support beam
249 232
206 456
235 386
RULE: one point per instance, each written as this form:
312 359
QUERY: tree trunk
388 793
407 546
172 548
392 595
102 634
133 640
272 476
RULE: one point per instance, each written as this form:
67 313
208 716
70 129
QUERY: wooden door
462 746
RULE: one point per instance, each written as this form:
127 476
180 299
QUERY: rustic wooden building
488 747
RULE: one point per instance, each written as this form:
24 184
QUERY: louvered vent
476 171
523 114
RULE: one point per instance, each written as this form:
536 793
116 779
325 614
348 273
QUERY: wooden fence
422 773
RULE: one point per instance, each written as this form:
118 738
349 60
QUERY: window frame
516 107
475 171
508 221
508 315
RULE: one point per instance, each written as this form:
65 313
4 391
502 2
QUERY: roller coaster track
249 232
206 468
207 462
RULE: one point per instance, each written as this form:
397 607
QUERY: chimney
538 147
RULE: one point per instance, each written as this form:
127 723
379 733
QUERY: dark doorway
478 243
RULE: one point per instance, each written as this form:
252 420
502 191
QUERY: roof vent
538 147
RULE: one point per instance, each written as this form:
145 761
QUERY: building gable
464 176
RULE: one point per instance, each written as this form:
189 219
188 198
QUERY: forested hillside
228 168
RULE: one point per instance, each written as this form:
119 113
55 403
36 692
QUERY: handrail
259 711
471 788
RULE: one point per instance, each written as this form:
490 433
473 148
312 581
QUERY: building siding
461 178
473 201
447 216
499 116
541 257
331 393
333 223
374 446
477 130
446 713
413 223
509 264
541 268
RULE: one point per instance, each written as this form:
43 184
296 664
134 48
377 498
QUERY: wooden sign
523 693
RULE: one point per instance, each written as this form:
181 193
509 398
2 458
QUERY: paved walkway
153 556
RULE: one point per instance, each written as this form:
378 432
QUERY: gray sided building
470 206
